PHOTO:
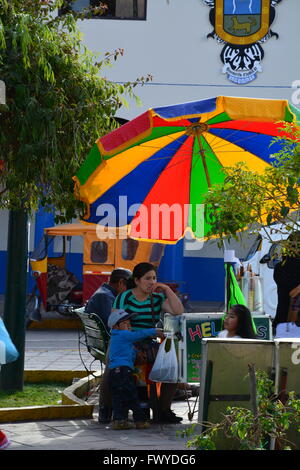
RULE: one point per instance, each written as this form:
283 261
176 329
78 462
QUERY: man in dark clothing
287 278
101 304
102 300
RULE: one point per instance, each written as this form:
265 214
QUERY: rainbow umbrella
151 174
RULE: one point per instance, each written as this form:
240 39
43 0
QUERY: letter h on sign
197 332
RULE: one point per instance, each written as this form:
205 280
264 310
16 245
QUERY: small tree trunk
253 400
15 297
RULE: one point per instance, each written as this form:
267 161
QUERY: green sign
199 328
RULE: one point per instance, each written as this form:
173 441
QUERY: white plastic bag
165 367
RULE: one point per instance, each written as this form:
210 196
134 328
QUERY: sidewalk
83 434
43 353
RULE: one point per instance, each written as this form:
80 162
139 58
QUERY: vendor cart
191 328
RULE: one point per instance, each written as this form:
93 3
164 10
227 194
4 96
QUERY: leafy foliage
249 199
57 105
252 431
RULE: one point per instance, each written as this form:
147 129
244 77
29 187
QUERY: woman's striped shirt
143 310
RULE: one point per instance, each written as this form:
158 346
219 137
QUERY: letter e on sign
206 329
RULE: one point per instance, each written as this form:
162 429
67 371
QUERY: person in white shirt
238 323
289 329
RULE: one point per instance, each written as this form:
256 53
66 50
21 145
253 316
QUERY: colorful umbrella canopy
152 173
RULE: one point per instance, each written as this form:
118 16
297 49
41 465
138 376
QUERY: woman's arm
172 304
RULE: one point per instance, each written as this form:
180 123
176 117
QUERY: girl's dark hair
245 327
139 271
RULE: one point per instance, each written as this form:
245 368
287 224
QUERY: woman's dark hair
245 327
139 271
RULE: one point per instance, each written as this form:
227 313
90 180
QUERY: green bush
252 431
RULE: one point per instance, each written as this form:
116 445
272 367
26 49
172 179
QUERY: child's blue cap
117 315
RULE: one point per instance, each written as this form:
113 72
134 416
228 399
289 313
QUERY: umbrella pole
227 280
227 285
202 153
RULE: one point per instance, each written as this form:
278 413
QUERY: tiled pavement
87 434
58 351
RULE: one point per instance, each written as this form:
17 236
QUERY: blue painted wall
74 264
202 278
42 220
205 278
3 267
171 266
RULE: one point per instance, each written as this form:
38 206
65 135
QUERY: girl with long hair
238 323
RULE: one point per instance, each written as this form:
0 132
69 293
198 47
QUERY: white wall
172 46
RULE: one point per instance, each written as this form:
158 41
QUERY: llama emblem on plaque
242 26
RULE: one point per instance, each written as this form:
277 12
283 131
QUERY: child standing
121 364
238 323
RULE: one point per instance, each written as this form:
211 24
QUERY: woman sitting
143 300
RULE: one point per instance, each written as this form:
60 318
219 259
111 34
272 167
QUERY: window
41 251
129 247
59 245
156 252
99 251
114 9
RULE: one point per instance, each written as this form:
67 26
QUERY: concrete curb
74 393
56 324
66 376
72 404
